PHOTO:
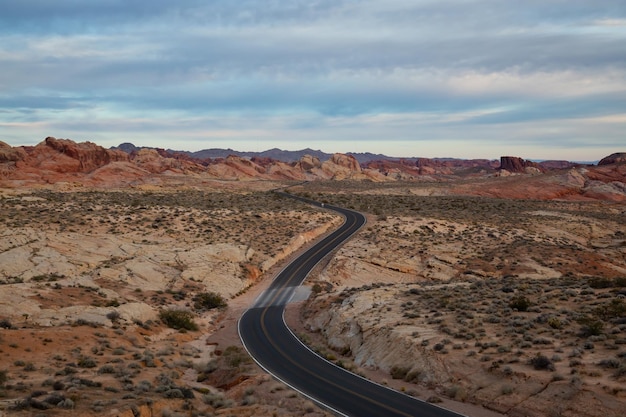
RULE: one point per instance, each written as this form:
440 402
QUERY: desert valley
492 288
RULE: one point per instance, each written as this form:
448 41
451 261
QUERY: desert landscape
490 287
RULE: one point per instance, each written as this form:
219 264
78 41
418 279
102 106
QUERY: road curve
274 347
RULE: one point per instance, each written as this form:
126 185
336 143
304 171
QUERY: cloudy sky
463 78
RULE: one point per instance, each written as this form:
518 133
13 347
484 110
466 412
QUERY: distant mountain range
276 154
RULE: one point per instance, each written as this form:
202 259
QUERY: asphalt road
274 347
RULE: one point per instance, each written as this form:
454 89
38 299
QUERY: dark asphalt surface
270 342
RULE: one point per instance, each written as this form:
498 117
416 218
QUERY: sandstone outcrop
282 170
308 162
515 164
10 154
347 161
154 162
88 155
339 167
616 158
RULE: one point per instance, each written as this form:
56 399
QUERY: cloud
355 70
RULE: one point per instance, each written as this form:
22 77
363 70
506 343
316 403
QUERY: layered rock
340 167
87 156
515 164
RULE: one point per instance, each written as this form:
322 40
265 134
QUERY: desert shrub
113 316
615 309
399 372
6 324
609 363
209 300
542 362
235 356
519 303
173 393
68 370
456 392
555 323
106 369
602 282
590 326
66 403
216 400
87 383
86 362
83 322
178 319
317 288
143 386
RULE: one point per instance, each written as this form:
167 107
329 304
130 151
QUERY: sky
539 79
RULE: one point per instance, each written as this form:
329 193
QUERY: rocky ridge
63 163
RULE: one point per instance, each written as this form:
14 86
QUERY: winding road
276 349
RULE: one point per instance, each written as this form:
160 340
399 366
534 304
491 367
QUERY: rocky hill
65 162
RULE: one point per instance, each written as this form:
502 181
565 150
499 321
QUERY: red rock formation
308 162
616 158
261 161
246 166
608 173
152 161
339 167
516 164
10 154
347 161
548 165
281 170
89 156
64 161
